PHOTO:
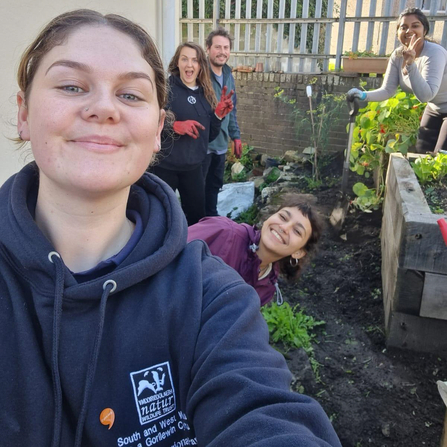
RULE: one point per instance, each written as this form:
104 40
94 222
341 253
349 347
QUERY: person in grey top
420 67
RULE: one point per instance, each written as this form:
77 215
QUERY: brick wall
268 124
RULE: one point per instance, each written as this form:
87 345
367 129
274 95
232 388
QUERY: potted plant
364 62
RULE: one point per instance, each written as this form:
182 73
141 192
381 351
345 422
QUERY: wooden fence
304 35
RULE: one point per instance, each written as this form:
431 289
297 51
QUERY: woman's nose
102 107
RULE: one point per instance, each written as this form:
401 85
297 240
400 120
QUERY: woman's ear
161 122
22 117
299 254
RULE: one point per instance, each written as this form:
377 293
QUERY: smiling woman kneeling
286 240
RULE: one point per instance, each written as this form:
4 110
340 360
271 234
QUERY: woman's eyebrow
70 64
84 67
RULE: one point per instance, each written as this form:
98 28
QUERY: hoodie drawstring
57 316
279 298
109 287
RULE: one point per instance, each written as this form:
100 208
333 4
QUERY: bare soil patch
374 396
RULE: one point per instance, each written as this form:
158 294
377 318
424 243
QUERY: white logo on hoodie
153 391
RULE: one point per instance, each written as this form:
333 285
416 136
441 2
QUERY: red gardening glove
225 105
189 127
237 148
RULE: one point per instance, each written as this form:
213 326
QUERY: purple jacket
236 245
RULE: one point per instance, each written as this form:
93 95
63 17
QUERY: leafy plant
291 327
382 128
357 54
367 199
248 216
246 160
430 169
321 120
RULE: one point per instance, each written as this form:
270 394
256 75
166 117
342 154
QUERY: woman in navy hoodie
197 121
114 332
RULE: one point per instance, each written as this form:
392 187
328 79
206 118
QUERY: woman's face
410 25
188 66
286 233
92 115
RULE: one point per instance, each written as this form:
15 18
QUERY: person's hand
237 148
355 93
409 53
189 127
225 105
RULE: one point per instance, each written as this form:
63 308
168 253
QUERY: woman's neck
83 230
265 256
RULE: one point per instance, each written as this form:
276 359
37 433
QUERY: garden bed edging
414 265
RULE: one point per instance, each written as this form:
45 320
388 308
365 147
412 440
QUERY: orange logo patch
107 417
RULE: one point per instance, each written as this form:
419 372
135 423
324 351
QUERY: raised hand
225 105
409 53
189 127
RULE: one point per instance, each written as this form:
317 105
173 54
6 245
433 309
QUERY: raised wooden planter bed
414 265
365 64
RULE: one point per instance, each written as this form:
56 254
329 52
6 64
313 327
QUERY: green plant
322 119
246 160
430 169
383 128
367 199
290 326
357 54
248 216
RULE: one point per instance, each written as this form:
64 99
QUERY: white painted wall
20 21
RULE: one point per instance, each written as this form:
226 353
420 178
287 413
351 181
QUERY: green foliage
357 54
367 199
291 327
272 176
246 160
435 202
382 128
248 216
430 169
324 117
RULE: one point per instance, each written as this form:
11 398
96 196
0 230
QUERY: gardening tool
443 227
339 212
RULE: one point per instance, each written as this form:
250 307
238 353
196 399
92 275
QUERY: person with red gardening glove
237 148
225 105
189 127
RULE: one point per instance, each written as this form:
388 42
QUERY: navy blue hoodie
171 343
182 152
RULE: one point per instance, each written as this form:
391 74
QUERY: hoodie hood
163 238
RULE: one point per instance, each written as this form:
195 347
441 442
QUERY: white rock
237 168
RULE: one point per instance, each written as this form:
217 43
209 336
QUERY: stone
293 157
237 168
234 198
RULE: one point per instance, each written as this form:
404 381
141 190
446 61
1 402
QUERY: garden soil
375 396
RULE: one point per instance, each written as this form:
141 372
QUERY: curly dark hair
218 32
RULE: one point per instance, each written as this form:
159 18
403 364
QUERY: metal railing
304 35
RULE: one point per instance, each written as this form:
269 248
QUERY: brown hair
292 272
218 32
57 31
203 79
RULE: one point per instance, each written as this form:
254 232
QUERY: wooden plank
202 25
423 247
434 297
341 34
385 28
303 35
190 15
237 31
292 36
417 333
268 36
356 34
327 38
409 291
258 26
316 36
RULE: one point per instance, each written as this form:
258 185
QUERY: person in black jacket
197 122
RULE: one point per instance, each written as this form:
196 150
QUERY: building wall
268 123
20 21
